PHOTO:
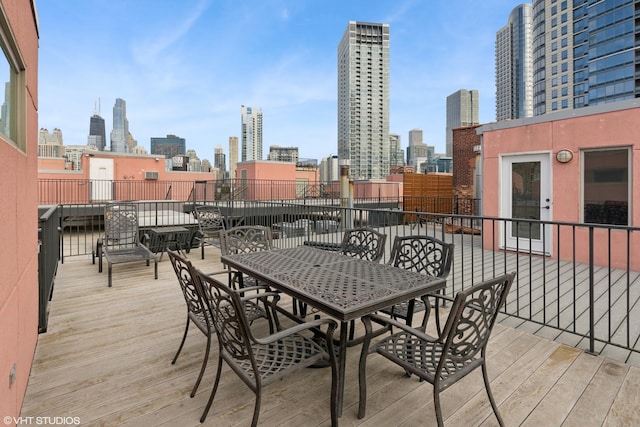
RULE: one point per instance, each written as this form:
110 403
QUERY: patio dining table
342 287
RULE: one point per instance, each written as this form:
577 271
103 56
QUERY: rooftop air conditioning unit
151 175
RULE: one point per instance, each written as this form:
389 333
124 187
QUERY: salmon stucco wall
19 225
617 128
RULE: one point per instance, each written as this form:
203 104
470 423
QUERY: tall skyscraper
97 134
233 156
120 132
219 159
514 65
583 53
251 133
363 99
462 110
396 153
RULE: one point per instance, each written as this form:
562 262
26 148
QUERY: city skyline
185 68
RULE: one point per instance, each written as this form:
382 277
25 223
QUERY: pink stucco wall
129 168
18 228
614 128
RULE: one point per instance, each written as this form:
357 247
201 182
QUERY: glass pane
606 187
5 97
525 199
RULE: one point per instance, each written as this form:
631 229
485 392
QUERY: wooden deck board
106 359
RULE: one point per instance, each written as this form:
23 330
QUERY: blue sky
185 67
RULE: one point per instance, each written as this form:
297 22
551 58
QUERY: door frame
543 245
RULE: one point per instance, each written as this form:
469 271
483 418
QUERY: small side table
169 235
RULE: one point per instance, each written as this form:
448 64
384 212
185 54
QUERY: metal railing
572 278
48 256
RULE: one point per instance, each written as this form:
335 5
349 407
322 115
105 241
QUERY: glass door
526 195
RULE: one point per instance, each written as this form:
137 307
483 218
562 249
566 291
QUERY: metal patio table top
345 288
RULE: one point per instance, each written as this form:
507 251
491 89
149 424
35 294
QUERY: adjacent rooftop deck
106 359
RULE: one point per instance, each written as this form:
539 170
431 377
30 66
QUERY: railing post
591 296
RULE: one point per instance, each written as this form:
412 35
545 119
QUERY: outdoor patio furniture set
345 283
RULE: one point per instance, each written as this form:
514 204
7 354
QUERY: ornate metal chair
244 239
454 353
261 361
121 242
210 222
363 243
198 313
422 254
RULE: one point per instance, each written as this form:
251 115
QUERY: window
12 90
606 191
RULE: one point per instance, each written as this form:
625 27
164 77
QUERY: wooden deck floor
106 359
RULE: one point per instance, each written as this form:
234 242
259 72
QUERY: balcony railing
578 282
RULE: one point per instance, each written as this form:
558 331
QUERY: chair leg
490 394
256 409
213 390
204 366
436 403
155 268
202 248
109 273
184 338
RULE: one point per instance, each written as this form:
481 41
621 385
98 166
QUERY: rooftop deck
106 359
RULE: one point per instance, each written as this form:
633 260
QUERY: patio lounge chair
121 242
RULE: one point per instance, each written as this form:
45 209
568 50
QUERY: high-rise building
462 110
233 156
415 136
251 133
120 132
363 99
396 153
583 53
169 146
219 159
97 134
514 65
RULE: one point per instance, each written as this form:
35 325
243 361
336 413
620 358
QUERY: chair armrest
386 321
215 273
437 296
299 328
145 237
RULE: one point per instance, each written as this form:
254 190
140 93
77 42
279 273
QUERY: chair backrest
210 220
363 243
471 319
245 238
229 320
422 254
184 272
121 227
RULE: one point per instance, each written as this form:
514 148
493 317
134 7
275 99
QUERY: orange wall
619 128
18 228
